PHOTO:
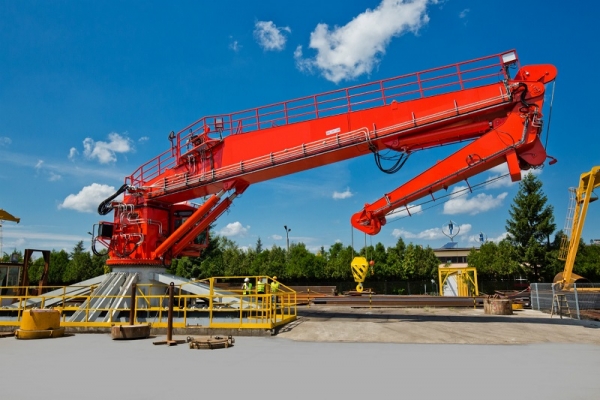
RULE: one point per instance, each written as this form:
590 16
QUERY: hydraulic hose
105 207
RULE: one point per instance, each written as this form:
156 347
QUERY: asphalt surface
339 353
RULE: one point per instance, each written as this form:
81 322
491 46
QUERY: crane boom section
581 198
278 151
6 216
475 101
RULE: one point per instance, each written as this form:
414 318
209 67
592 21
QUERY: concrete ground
436 325
328 353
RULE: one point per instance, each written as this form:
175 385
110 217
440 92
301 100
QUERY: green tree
99 266
395 257
409 262
259 246
496 260
339 260
36 268
80 266
530 225
59 262
300 262
427 263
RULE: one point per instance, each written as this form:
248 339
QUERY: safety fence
581 297
220 307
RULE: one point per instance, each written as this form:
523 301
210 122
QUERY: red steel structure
477 101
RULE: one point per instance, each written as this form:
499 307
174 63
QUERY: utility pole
287 237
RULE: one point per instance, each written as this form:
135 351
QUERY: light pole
287 237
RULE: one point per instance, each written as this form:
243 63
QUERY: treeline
65 268
402 262
225 258
495 261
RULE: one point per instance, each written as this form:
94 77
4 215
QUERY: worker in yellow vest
247 286
274 288
260 286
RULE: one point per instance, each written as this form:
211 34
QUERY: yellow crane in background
5 216
580 199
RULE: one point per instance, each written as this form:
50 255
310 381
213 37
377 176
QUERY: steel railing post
576 300
132 306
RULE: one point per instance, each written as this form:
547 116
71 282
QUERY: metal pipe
170 315
132 306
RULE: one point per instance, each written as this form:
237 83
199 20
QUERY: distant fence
583 296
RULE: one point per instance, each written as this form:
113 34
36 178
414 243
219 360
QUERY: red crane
476 101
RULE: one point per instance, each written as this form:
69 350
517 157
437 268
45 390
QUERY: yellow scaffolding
224 307
465 277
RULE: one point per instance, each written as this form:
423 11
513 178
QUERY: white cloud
354 49
73 153
500 177
462 204
269 36
25 160
402 212
105 152
276 237
43 170
476 239
5 141
464 13
143 139
536 172
498 238
234 44
88 199
429 234
234 229
342 195
33 236
53 177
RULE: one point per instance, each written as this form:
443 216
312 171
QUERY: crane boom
475 101
6 216
581 197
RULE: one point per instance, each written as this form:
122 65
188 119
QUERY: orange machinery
217 157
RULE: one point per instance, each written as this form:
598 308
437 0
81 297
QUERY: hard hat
246 280
274 278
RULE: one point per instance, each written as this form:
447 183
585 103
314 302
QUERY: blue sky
90 90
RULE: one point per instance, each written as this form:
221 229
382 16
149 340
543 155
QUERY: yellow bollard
40 324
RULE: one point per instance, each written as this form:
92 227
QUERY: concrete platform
436 325
354 353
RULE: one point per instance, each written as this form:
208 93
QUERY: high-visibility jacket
247 287
274 286
260 287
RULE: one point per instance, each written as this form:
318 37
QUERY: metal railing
221 307
582 297
441 80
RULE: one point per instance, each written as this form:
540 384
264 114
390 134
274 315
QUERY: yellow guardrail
225 305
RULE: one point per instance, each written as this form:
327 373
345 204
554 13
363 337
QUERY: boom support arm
514 140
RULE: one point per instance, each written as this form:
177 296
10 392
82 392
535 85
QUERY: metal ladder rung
559 301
